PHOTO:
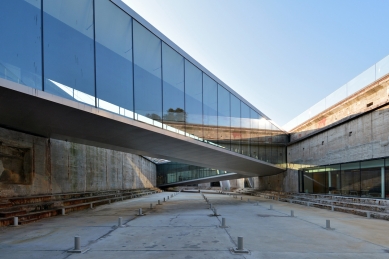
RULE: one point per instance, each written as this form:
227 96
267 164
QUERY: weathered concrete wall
284 182
58 167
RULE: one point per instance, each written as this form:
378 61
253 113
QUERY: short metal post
120 222
332 208
271 207
292 213
16 221
257 203
167 197
63 211
164 199
140 212
214 212
151 205
241 198
223 222
368 214
240 243
91 206
328 224
308 204
248 200
77 243
159 202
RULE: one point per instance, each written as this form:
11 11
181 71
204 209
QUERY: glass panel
173 89
147 74
307 181
350 179
262 134
387 178
268 140
69 49
254 137
210 108
318 179
382 67
193 100
246 127
224 117
371 178
20 41
235 124
113 59
333 177
361 81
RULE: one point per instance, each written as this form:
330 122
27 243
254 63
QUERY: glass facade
93 52
367 178
177 172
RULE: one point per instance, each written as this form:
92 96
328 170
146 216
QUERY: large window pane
246 127
350 179
193 100
371 181
20 41
173 89
113 59
262 138
333 182
268 141
69 49
224 117
210 108
387 178
235 124
254 136
147 74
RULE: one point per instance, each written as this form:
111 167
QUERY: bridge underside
39 113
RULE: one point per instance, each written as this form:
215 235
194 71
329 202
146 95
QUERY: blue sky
283 56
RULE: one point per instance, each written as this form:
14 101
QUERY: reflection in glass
371 183
246 127
193 100
20 41
254 136
113 59
210 109
350 179
235 124
224 117
173 88
147 73
69 49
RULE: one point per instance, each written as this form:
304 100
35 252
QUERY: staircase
378 208
32 208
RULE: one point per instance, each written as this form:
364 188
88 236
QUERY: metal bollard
63 211
248 200
91 206
257 203
164 199
120 222
167 197
241 198
159 202
151 205
16 221
292 213
271 207
77 243
368 214
140 212
308 204
223 223
240 243
328 224
215 212
332 208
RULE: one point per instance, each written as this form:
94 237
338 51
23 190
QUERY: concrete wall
54 166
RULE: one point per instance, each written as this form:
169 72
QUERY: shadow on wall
139 177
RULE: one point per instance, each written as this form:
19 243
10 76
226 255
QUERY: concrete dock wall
32 165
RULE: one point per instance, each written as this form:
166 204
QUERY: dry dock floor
182 227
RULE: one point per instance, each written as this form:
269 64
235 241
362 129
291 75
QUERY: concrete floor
183 228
